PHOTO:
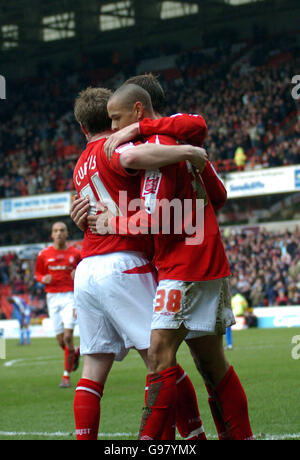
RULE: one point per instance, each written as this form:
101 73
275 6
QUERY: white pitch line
42 360
266 437
60 433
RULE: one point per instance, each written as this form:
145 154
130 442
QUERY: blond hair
90 109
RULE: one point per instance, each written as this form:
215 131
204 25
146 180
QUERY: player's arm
22 317
121 137
183 126
154 156
214 186
41 274
76 262
186 127
107 223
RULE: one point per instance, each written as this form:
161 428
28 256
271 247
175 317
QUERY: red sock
69 359
234 406
87 409
216 412
160 411
188 420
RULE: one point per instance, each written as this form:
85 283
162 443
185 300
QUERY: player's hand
199 158
79 211
92 220
120 137
72 274
100 224
103 222
91 223
47 279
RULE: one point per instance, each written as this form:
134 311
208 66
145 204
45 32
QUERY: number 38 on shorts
168 301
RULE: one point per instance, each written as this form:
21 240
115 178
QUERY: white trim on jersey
181 378
213 168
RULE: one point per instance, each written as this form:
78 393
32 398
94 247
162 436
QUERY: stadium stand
242 93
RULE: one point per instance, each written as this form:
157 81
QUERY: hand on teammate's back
120 137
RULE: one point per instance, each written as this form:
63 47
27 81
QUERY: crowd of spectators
245 97
246 107
265 266
18 275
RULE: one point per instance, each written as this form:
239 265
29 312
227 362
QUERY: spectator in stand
281 299
240 158
256 294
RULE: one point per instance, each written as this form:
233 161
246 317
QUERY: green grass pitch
34 408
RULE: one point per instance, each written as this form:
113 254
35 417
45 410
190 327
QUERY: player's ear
139 110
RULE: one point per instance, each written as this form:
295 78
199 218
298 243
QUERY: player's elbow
129 160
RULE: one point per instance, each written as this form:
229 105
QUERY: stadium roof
24 22
32 31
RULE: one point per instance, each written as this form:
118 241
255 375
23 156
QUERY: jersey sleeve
183 126
214 186
40 269
115 163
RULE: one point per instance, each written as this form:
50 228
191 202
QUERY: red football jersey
94 175
59 264
183 126
182 256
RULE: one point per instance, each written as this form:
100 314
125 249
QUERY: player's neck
97 137
60 246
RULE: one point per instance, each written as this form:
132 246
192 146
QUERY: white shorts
203 307
61 309
114 308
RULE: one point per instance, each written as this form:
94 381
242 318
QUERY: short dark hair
130 93
90 109
150 83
